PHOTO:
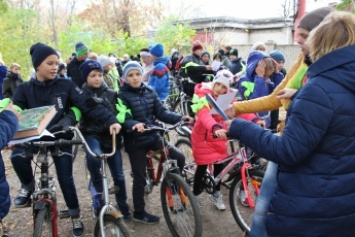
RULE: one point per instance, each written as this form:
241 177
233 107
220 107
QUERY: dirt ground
18 222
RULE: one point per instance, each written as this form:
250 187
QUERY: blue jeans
64 167
267 190
115 166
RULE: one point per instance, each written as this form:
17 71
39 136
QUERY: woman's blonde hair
336 31
15 65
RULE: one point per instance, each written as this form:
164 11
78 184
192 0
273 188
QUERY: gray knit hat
312 19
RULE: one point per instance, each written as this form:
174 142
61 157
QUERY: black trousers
138 159
200 172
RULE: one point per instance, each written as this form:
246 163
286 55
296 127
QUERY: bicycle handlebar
157 128
63 142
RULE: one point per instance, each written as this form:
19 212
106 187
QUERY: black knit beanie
39 52
312 19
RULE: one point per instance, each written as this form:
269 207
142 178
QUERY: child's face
47 70
280 65
269 67
205 58
108 67
219 89
95 79
15 70
134 78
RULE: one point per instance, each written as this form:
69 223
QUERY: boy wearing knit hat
46 89
144 108
279 57
193 68
205 57
73 67
236 65
107 66
159 75
97 135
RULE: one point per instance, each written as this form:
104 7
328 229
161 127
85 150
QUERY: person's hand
221 133
227 123
261 123
11 108
209 68
286 93
189 118
230 112
260 69
117 127
139 127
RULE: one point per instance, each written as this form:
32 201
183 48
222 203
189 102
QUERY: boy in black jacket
43 90
144 105
97 135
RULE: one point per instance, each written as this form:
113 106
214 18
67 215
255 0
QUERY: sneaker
218 201
23 199
124 209
243 198
146 218
78 227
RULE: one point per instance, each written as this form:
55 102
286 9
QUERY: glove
63 125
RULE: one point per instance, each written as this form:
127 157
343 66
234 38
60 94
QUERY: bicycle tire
189 170
43 219
177 106
118 227
180 207
241 213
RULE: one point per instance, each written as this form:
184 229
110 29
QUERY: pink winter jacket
207 149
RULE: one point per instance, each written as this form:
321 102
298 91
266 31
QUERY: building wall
291 52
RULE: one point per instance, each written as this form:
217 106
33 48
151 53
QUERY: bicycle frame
107 207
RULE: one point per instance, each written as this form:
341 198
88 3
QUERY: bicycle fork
45 203
245 182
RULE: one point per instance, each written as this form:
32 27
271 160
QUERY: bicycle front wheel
242 212
112 226
180 208
43 223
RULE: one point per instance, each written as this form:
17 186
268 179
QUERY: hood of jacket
338 66
253 60
163 60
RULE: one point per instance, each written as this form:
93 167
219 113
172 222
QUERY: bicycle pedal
113 190
64 214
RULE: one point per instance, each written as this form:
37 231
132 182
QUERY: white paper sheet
224 101
215 65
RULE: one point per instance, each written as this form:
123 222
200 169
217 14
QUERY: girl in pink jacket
207 149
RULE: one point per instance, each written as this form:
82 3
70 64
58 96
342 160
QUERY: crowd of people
304 191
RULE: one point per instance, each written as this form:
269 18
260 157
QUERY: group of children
135 106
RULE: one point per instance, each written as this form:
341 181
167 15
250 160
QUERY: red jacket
206 149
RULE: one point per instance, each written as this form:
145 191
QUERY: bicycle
110 221
180 208
44 204
242 175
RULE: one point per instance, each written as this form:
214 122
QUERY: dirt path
19 221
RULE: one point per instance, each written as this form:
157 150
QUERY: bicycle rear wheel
242 212
43 223
113 227
180 208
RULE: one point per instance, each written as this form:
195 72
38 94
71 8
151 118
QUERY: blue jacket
8 128
159 77
316 153
62 93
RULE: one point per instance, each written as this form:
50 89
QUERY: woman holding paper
207 149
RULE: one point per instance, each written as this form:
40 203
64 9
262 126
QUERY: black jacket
10 83
73 71
194 72
107 98
63 94
145 107
236 66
